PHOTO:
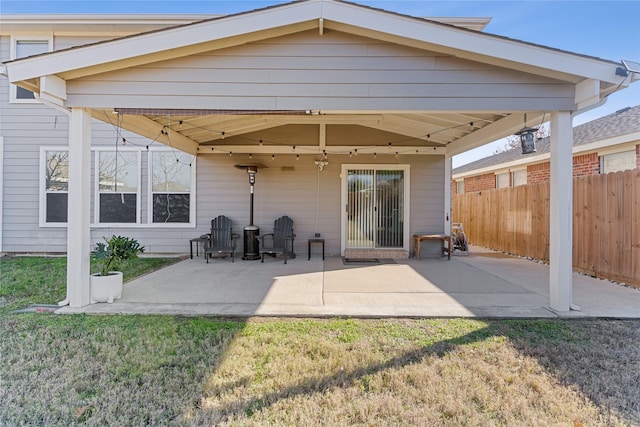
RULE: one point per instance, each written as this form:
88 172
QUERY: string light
250 156
273 157
297 156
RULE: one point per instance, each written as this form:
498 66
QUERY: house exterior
607 144
352 113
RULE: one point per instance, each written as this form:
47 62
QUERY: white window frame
502 174
43 187
192 193
97 192
13 97
513 176
629 151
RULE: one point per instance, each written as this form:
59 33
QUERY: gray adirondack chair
281 240
222 239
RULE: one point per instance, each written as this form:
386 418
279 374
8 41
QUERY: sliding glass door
375 207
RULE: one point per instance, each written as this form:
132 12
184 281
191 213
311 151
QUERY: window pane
57 171
31 47
171 207
56 207
171 172
502 180
519 178
22 93
460 185
28 48
118 172
619 161
118 207
390 206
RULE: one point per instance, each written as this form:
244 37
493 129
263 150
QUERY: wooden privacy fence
606 223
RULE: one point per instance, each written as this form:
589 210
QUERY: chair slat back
221 232
282 228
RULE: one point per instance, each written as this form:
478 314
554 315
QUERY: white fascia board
631 139
165 44
472 45
490 133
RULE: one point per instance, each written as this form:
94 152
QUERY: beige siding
308 71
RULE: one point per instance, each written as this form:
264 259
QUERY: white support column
79 205
560 218
448 164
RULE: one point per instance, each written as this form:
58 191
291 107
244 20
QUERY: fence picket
606 223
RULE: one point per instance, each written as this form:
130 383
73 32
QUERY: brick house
608 144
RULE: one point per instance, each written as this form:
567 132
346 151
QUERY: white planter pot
106 288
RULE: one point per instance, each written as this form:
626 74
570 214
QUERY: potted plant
106 284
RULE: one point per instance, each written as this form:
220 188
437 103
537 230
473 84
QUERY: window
171 187
519 177
55 167
615 162
21 48
502 180
460 187
118 178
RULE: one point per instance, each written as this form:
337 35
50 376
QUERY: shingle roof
621 122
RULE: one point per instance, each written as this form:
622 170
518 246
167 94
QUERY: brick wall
583 165
586 164
480 182
539 172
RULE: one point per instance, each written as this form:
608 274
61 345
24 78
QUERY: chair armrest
262 236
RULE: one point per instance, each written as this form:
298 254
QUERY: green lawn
169 370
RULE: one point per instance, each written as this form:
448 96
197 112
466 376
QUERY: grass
42 280
169 370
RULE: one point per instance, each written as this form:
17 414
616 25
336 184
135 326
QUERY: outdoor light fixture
251 232
527 138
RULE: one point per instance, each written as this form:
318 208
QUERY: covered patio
485 284
322 81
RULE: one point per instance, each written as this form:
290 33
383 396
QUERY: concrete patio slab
484 284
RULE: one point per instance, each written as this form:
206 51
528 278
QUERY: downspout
67 299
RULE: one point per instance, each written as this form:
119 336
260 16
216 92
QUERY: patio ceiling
223 131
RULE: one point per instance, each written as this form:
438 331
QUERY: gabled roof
622 122
307 14
585 80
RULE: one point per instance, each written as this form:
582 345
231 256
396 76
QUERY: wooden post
447 194
79 202
560 212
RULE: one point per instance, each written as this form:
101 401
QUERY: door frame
406 240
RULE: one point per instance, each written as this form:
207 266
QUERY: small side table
314 240
197 240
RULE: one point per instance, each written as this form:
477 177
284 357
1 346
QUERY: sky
604 29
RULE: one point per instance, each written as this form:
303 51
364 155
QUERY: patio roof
432 126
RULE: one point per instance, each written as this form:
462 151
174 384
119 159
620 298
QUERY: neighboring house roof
622 122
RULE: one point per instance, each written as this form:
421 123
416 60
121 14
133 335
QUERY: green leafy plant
110 255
